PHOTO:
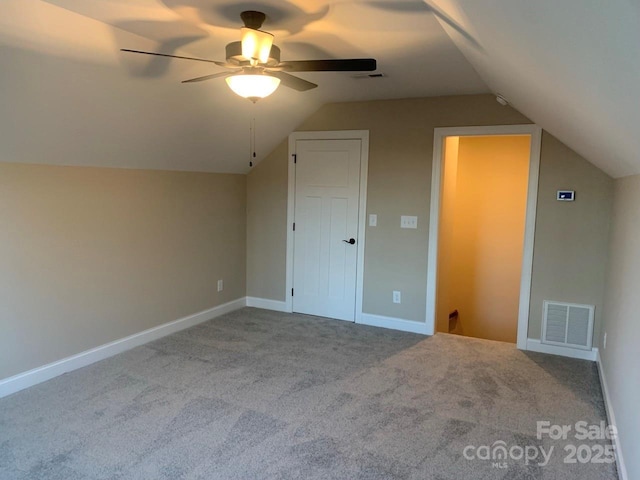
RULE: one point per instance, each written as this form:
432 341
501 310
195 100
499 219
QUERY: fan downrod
253 19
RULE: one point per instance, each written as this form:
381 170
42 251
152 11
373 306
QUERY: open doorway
482 217
484 190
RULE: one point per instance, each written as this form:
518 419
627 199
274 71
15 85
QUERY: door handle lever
351 241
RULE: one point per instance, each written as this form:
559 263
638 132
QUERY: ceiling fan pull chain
254 138
252 141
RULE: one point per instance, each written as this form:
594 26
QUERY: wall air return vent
567 324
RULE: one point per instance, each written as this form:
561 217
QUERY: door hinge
294 226
292 292
295 158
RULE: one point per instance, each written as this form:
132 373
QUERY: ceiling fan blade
340 65
221 64
293 82
209 77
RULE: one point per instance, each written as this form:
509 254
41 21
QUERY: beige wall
445 233
570 250
91 255
621 357
485 255
401 150
266 233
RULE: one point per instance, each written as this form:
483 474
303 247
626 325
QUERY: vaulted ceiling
69 96
572 66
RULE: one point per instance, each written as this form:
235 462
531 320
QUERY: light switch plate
373 220
407 221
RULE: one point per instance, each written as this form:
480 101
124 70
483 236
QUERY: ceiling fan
255 67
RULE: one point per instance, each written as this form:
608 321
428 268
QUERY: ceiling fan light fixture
253 66
256 44
253 86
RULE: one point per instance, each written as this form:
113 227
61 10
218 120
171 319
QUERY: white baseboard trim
622 469
392 323
46 372
267 304
536 345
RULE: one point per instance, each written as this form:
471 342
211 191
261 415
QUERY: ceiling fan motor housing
253 19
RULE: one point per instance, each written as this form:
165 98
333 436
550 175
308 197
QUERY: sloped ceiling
70 97
572 66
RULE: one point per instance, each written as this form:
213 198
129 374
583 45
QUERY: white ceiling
69 96
572 66
73 98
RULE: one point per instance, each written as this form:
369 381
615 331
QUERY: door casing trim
530 219
363 136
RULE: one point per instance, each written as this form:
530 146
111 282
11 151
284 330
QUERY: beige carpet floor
264 395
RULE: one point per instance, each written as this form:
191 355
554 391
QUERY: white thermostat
566 195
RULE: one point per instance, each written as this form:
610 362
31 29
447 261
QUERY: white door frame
363 136
530 220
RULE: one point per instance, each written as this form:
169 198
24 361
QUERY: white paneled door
327 187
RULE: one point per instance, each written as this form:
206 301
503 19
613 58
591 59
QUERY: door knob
351 241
